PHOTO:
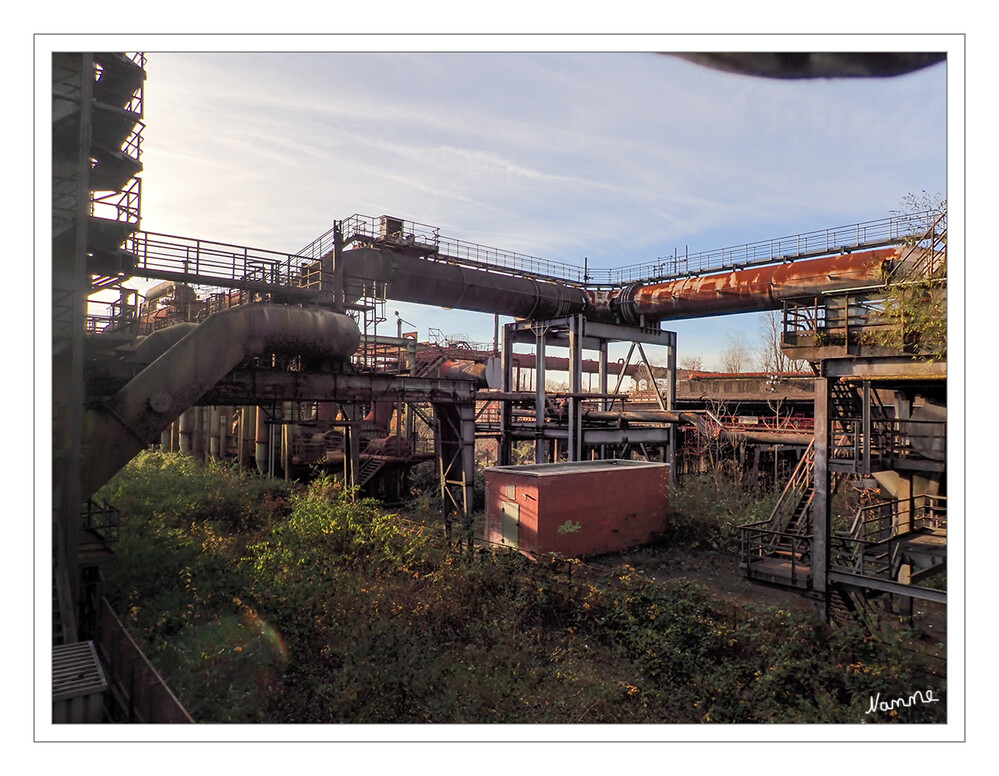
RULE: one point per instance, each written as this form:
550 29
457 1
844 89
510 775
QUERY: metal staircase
778 549
370 466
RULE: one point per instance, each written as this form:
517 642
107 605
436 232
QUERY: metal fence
139 692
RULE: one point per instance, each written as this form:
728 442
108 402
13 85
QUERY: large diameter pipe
152 346
135 416
451 370
436 282
745 290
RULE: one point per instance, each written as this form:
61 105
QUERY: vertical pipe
578 378
866 420
505 457
186 431
272 453
241 437
671 406
214 422
261 441
198 440
206 431
575 446
821 504
285 414
354 447
539 400
602 371
467 431
225 431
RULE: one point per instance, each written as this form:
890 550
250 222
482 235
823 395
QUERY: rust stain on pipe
745 290
452 370
436 282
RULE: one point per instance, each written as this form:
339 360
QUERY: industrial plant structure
276 360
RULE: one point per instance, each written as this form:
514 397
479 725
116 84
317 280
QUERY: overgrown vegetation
707 510
919 309
917 302
263 602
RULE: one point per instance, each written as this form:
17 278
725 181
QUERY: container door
511 522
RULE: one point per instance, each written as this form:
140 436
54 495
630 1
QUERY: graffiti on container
569 527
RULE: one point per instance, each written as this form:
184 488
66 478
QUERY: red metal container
577 509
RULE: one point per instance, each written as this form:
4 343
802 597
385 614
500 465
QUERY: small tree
692 363
770 356
736 355
916 298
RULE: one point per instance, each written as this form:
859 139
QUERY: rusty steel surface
427 281
451 370
747 290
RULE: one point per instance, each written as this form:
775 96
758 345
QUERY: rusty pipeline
743 290
436 281
451 370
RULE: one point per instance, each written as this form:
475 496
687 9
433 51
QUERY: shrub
331 611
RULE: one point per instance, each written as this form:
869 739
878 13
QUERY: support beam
888 586
821 505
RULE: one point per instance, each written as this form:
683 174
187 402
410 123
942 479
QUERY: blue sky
616 157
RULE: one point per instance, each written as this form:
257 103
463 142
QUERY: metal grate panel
78 683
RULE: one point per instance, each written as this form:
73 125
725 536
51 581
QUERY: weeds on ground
707 509
330 611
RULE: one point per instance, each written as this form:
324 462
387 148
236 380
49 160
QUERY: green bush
707 509
329 611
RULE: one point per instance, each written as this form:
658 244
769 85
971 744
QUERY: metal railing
885 231
891 440
797 486
121 206
101 518
226 264
427 239
773 537
868 548
925 257
164 254
787 423
868 234
837 319
758 540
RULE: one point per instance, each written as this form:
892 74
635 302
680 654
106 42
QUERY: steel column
821 504
540 446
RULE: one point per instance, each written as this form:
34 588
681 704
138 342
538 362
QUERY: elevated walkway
298 275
